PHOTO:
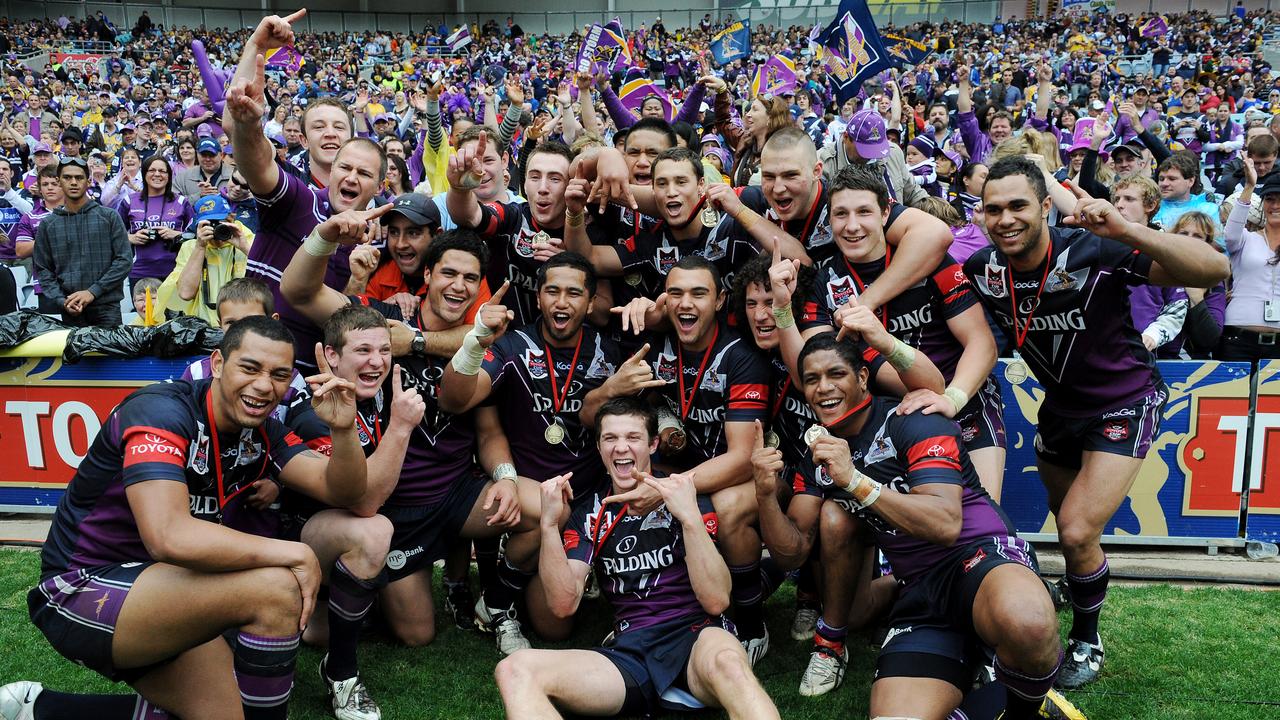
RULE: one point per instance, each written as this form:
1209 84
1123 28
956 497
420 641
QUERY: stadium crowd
757 372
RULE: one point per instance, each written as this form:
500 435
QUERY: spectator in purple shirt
155 219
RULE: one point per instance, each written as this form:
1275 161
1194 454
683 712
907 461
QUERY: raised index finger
640 354
496 298
777 250
321 362
759 435
377 212
396 388
296 16
1077 190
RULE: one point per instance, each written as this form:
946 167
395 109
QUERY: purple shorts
1128 430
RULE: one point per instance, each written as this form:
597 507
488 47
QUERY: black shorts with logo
1128 430
423 534
981 420
654 660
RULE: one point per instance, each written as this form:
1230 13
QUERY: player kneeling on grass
668 584
967 579
141 581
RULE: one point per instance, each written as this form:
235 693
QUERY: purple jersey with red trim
642 558
1081 344
517 364
918 316
733 387
903 452
285 216
160 432
442 447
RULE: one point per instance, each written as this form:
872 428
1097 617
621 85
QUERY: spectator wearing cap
214 254
865 141
1252 323
42 157
106 135
920 164
72 142
82 254
1189 126
211 173
395 276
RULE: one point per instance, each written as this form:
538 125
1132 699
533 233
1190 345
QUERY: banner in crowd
1155 27
458 39
633 93
731 43
604 45
906 51
87 63
775 76
286 58
851 49
1082 8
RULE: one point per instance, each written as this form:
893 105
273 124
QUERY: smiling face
494 167
157 176
692 304
326 129
756 120
625 446
830 385
545 178
857 223
251 381
564 302
1015 219
364 359
354 180
677 189
790 178
406 243
452 285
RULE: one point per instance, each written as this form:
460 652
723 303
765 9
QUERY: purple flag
286 58
634 93
604 44
1155 27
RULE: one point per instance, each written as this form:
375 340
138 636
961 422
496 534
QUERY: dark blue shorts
931 627
1127 430
423 534
77 611
981 421
654 660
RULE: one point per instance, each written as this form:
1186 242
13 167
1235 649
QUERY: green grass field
1172 654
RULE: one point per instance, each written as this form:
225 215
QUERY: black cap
418 208
72 133
1131 146
1270 185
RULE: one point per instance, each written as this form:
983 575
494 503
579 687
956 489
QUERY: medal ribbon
809 220
223 498
1020 336
596 540
377 427
557 397
686 400
854 411
782 396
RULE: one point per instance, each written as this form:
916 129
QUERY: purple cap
866 130
128 126
43 147
381 117
277 140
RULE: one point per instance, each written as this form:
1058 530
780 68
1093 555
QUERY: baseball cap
43 147
418 208
128 126
1270 186
1098 105
1131 146
277 140
209 145
866 130
381 117
211 207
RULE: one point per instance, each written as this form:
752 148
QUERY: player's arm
246 104
905 368
341 479
465 173
978 357
563 579
708 573
788 535
766 234
730 468
607 169
302 283
920 241
603 257
463 386
407 408
632 378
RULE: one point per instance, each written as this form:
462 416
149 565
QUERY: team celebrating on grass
619 376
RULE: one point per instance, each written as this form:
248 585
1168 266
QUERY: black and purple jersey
442 447
813 229
918 316
726 382
647 257
286 216
160 432
1074 314
510 230
903 452
617 227
642 558
527 403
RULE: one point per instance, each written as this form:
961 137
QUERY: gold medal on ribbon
1015 371
709 216
813 433
554 434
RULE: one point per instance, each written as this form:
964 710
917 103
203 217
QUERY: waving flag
459 39
286 58
731 43
1155 27
905 51
852 50
775 76
634 92
605 45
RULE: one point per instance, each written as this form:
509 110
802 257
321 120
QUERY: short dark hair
862 176
465 240
680 154
551 147
261 325
1020 165
653 124
475 131
351 317
846 348
697 262
573 261
247 289
373 145
1185 162
628 405
1263 145
756 271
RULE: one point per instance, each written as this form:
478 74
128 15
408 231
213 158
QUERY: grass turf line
1172 654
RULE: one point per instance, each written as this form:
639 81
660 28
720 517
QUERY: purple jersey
154 259
1081 342
727 382
442 447
528 405
642 558
903 452
918 316
160 432
647 257
286 216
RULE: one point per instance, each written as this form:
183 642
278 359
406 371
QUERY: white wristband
505 471
957 396
470 356
318 246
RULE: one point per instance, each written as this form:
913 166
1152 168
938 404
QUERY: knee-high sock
1026 690
349 601
264 672
509 582
747 594
1088 593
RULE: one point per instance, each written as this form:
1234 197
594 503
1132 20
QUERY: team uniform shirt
727 382
154 259
618 227
647 257
1074 312
903 452
529 402
161 432
642 558
287 215
441 448
813 230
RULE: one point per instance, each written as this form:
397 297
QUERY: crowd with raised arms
674 362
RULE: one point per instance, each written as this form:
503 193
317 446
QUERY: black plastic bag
181 336
19 327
